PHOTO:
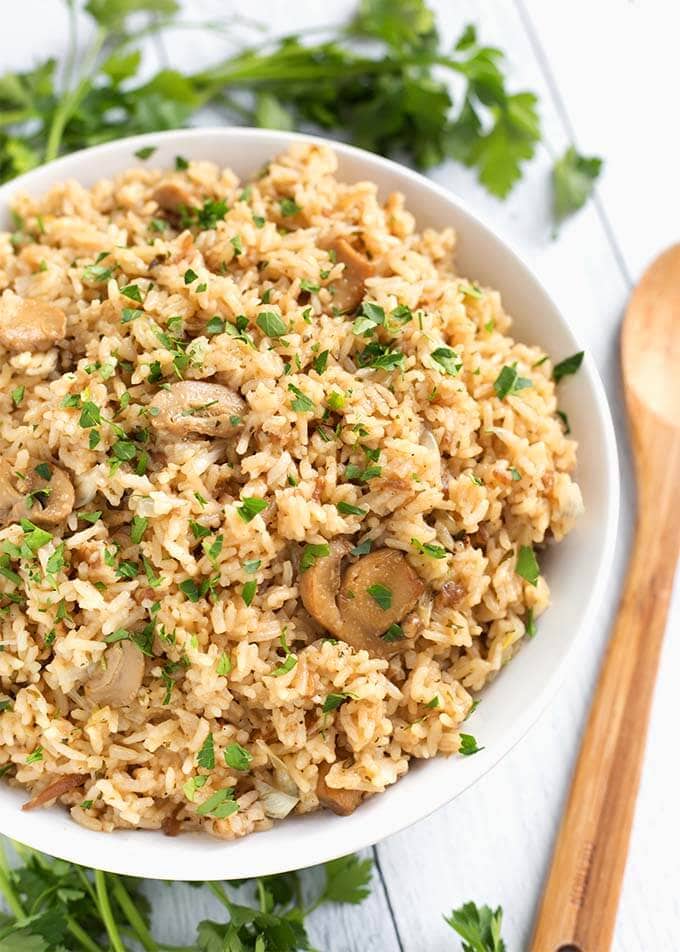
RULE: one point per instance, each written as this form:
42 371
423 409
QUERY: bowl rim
117 856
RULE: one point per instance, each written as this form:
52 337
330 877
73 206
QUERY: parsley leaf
527 565
311 553
448 360
250 507
237 757
271 324
573 179
468 745
381 595
206 756
567 366
479 928
508 382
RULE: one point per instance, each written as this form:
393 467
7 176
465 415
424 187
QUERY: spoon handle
580 899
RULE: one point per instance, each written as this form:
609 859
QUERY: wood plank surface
599 72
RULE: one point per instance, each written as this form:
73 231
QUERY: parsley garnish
479 928
311 553
250 507
248 591
394 632
138 528
429 548
146 152
206 756
333 701
468 745
574 178
220 805
289 661
301 403
271 324
215 325
567 366
237 757
289 207
18 396
508 382
381 595
347 509
448 360
320 362
526 565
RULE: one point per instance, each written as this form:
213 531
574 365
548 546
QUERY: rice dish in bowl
273 473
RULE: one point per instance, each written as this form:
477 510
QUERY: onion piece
277 804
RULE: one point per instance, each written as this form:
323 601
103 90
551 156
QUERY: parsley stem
221 895
6 886
78 933
123 899
72 99
105 911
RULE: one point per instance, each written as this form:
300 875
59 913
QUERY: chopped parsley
565 420
250 507
289 661
220 805
320 362
18 395
197 530
354 472
380 357
429 548
468 745
237 757
347 509
181 164
527 566
138 528
146 152
530 624
508 382
224 665
301 403
311 553
248 591
394 633
448 360
567 366
206 756
237 245
333 701
215 325
44 471
36 756
381 595
289 207
190 589
132 291
252 565
335 400
271 324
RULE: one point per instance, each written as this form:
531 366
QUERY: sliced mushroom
320 584
376 592
29 324
359 606
119 677
46 502
342 802
193 406
172 195
55 789
349 288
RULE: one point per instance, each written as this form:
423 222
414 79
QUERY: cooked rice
459 468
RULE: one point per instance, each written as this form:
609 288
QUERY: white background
607 76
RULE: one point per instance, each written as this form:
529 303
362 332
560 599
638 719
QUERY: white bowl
577 569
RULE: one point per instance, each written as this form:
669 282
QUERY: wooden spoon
578 910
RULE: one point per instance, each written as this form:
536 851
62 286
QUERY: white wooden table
604 73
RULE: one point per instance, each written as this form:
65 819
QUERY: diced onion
277 804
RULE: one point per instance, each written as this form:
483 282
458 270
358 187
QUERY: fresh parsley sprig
382 81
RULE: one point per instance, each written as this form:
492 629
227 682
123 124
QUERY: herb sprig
382 81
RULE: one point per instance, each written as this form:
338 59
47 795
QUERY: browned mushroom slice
376 592
320 584
46 498
359 606
349 288
119 676
29 324
342 802
55 789
172 195
193 406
